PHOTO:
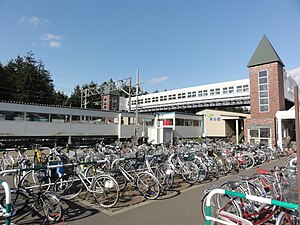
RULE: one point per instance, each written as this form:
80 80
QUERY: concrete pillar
237 131
69 140
279 132
120 126
203 126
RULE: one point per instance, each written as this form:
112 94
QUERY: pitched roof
264 53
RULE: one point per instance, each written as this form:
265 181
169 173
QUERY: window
168 122
225 90
188 122
230 90
179 122
253 133
133 102
212 91
205 93
217 91
196 123
239 89
260 136
147 100
154 99
200 94
189 95
245 88
263 91
181 95
171 97
193 94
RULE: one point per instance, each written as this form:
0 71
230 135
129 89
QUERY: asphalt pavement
180 208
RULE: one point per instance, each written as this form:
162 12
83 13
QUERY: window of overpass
8 115
154 99
245 88
38 117
239 89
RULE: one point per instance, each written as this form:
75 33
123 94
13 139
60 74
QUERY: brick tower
266 93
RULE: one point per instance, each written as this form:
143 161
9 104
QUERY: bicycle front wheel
52 207
148 185
68 186
106 191
190 172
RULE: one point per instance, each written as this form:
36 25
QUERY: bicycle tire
105 190
68 186
31 180
202 171
190 172
283 220
165 175
19 201
148 185
121 181
52 207
249 161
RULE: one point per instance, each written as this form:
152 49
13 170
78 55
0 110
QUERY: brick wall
276 97
260 122
276 90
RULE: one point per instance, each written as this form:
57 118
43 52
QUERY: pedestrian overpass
232 93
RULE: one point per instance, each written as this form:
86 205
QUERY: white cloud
295 74
54 44
52 40
34 21
51 37
158 80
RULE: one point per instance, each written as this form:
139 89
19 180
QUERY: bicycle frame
85 180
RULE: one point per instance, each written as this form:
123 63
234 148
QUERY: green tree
61 99
28 81
75 98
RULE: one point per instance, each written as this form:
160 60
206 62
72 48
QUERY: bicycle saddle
247 177
234 184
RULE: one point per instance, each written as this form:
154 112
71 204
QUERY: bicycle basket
290 190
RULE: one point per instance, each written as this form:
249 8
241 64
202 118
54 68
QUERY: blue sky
174 43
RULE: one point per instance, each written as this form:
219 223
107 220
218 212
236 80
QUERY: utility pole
137 106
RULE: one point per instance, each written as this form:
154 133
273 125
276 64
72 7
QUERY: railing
242 221
7 213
